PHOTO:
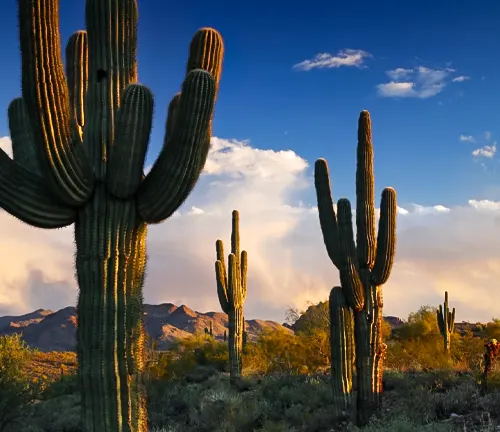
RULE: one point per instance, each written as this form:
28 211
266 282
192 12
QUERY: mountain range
47 330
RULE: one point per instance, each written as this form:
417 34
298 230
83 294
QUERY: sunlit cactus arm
244 273
133 126
349 275
77 74
23 147
62 160
187 139
180 163
342 351
365 194
386 238
206 52
326 211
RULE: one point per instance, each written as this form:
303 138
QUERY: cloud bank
439 248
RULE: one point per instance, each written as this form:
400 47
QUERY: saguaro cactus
232 292
446 322
364 266
79 144
342 351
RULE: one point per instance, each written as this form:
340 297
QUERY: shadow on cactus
79 143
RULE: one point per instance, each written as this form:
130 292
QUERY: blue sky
264 99
295 78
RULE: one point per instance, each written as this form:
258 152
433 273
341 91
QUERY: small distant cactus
364 267
446 322
232 292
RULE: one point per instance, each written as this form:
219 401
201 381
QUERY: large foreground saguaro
79 142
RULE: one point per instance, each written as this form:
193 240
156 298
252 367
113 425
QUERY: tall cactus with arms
79 144
364 266
446 322
232 292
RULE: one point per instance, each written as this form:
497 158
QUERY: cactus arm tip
386 238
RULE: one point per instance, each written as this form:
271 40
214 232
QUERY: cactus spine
364 266
79 144
342 351
232 291
446 322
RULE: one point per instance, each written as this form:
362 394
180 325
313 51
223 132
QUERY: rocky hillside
56 331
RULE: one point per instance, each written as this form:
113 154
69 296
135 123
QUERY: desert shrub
186 355
278 351
17 391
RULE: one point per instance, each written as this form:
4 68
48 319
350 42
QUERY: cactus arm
25 196
452 321
133 126
62 160
112 38
349 274
235 234
222 286
327 217
77 74
386 239
244 273
23 148
440 321
342 351
206 52
171 116
365 194
179 165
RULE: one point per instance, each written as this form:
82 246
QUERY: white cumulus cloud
345 57
439 247
420 82
487 151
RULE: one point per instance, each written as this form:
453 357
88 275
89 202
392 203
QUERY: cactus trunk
110 266
369 355
235 342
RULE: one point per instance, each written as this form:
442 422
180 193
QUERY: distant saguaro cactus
232 292
79 143
446 322
364 266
